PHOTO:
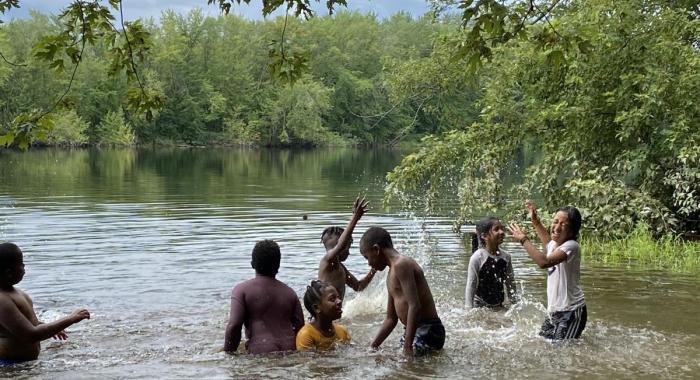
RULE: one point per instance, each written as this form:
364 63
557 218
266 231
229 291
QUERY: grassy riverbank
640 248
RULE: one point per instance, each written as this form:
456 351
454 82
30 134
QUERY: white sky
152 8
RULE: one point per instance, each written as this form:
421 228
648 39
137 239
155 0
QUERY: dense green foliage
213 76
604 117
592 103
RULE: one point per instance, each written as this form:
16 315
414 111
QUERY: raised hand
531 209
517 233
360 207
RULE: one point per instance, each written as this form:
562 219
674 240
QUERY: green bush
68 129
114 130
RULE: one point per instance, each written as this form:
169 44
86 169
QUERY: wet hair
483 226
266 258
574 216
9 255
314 294
376 235
331 231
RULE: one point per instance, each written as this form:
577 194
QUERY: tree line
214 77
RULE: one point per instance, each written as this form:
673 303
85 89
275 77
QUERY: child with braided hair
337 242
325 306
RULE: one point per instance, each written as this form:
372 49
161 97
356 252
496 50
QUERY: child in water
337 242
325 306
561 257
409 300
490 267
20 330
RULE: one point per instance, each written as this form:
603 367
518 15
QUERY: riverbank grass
640 248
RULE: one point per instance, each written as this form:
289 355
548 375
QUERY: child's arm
388 324
407 280
540 258
358 209
234 326
510 282
358 285
298 319
61 335
472 281
540 229
23 329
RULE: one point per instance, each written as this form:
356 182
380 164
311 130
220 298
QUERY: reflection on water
152 241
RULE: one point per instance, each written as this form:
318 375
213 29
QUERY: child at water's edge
490 267
410 299
337 243
325 306
20 330
562 258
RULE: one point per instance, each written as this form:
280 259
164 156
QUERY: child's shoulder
479 252
504 253
407 263
14 297
341 332
570 245
478 256
308 331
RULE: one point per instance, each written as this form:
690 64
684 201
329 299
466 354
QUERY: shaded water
152 241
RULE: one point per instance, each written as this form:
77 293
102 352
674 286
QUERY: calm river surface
151 242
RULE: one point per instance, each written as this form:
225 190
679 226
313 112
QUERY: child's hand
517 233
61 335
360 207
531 209
80 314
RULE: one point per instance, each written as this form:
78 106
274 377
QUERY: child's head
566 224
11 264
321 298
266 258
329 238
374 240
489 231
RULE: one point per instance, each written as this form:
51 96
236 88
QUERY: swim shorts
565 324
5 362
430 336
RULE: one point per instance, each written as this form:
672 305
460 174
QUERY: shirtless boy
410 300
20 330
337 243
269 309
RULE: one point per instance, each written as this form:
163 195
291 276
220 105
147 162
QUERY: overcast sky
152 8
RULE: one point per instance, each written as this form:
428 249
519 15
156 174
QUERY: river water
151 242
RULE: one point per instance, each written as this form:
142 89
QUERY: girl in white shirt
566 305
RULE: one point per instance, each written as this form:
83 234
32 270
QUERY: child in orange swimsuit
325 306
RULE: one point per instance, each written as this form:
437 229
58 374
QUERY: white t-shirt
564 292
